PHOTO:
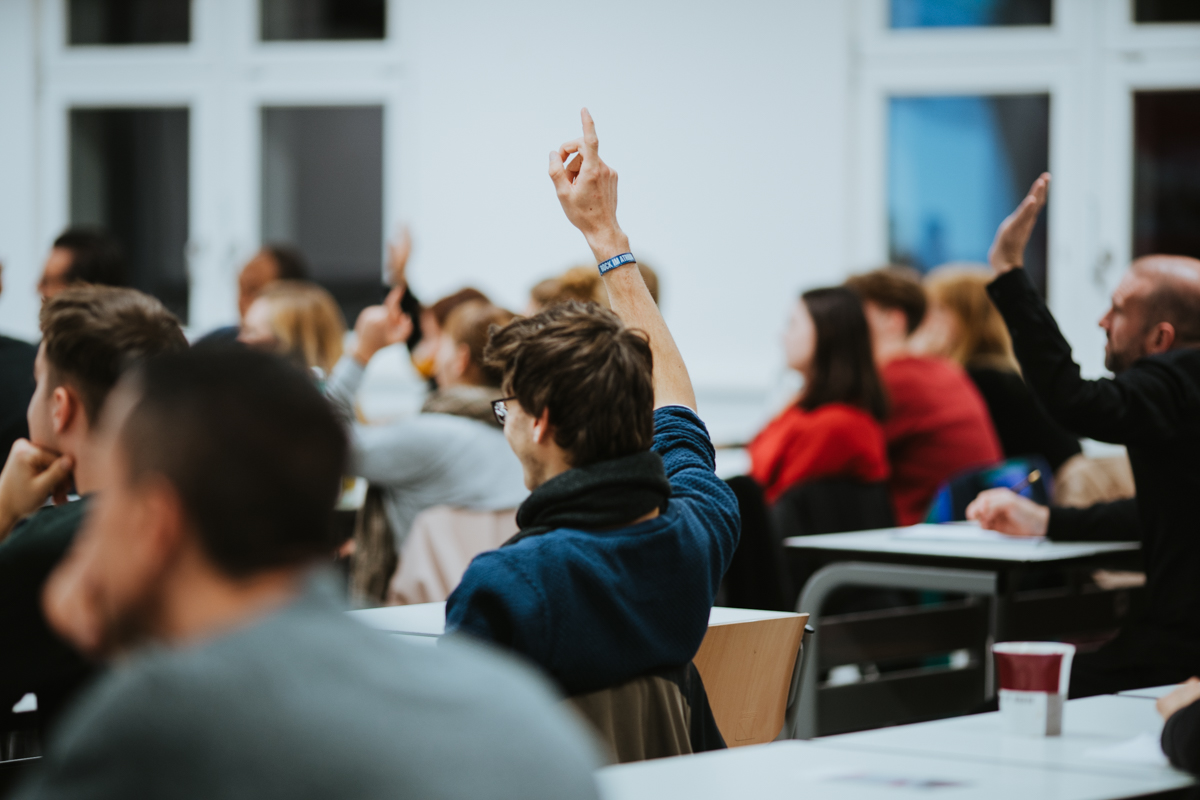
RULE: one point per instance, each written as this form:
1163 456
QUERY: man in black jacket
1152 407
90 334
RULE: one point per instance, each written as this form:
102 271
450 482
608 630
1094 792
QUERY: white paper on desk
963 533
1141 749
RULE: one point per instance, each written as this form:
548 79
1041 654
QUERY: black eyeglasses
501 410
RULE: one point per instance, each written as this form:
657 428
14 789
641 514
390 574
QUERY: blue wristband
616 261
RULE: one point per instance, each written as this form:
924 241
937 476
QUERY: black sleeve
1181 739
1103 522
32 657
1144 402
1021 421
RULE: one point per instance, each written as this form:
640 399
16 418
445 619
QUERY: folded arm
587 190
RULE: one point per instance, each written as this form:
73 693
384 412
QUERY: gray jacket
427 460
308 703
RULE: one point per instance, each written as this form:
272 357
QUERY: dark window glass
956 167
322 185
1166 11
1166 173
289 20
969 13
129 174
129 21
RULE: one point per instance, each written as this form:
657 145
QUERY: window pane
129 174
969 13
956 167
285 20
323 192
1166 173
129 21
1166 11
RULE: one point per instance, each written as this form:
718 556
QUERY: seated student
83 255
833 430
1152 406
963 325
16 386
237 672
453 453
89 335
272 262
628 531
432 320
299 320
937 425
1181 731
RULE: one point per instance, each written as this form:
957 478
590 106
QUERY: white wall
728 126
20 248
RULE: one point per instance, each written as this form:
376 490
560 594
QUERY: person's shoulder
17 349
51 526
843 416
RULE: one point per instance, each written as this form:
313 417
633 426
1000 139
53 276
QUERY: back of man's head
96 257
592 371
252 448
292 264
1175 296
893 287
91 334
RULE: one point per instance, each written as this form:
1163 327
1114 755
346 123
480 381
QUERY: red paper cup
1033 679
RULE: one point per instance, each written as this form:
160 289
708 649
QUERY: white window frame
224 76
1089 60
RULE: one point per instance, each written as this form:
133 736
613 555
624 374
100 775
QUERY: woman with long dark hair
833 430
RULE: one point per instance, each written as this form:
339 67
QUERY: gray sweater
308 703
427 460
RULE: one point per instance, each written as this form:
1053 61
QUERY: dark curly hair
592 371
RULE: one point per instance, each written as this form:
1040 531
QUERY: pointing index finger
591 143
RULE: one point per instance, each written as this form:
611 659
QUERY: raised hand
399 249
587 190
30 476
380 326
1008 249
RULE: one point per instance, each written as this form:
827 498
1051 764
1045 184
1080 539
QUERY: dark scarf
602 496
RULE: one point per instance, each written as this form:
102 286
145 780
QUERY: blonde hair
983 339
307 322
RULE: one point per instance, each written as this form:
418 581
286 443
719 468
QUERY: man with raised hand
238 673
628 531
1152 406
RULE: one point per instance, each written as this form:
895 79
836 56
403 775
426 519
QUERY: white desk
429 619
1090 724
820 771
1152 693
955 541
419 619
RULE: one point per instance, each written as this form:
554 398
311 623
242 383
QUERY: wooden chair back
747 671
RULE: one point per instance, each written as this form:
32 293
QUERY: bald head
1175 295
1155 308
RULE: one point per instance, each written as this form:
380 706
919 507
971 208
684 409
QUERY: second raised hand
1008 249
587 191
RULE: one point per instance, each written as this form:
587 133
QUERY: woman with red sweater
834 430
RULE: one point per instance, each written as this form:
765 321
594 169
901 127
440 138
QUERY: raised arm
587 189
1142 402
